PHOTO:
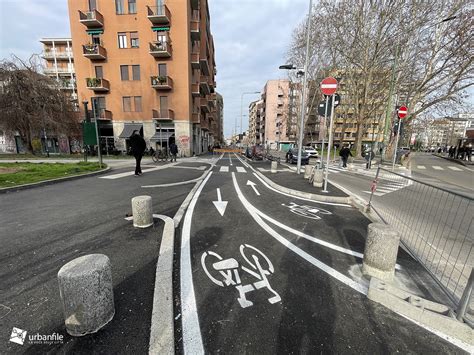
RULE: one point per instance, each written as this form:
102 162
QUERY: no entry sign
328 86
402 111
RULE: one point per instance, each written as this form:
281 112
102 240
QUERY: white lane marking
241 169
269 170
375 193
455 168
220 205
298 197
421 167
320 265
192 340
202 167
130 173
175 183
224 169
252 184
230 159
437 167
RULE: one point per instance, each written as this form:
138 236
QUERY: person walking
137 146
173 151
344 153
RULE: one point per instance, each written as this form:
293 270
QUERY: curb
5 190
315 197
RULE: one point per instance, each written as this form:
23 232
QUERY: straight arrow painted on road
253 187
220 205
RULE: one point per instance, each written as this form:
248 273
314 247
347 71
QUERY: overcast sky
251 38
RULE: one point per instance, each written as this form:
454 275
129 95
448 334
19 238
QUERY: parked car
292 156
313 153
254 152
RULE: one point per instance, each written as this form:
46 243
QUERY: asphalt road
273 274
43 228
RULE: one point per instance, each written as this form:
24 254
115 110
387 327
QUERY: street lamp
241 104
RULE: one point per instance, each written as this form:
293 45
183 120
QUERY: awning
160 28
95 32
129 128
162 136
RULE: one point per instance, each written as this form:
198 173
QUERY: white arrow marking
220 205
253 186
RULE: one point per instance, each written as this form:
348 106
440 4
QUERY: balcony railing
57 55
91 19
204 105
94 51
60 70
163 114
196 117
195 31
195 64
195 89
161 82
204 85
105 114
204 65
159 15
98 84
161 49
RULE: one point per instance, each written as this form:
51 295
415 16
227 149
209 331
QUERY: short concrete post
274 167
142 211
318 178
307 171
381 249
86 292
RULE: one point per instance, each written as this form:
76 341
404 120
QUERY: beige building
147 66
256 132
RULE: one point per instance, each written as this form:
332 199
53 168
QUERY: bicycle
160 155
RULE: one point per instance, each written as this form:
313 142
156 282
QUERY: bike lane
246 288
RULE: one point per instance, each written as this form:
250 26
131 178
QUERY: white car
313 153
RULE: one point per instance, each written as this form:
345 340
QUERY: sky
251 39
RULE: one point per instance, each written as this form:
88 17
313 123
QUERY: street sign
328 86
322 105
402 111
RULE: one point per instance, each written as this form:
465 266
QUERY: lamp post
241 105
86 120
99 153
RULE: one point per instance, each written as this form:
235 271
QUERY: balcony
98 84
204 105
204 65
195 31
48 55
105 114
91 19
195 89
194 4
212 85
94 51
163 114
195 64
159 15
195 117
160 49
204 85
59 70
161 82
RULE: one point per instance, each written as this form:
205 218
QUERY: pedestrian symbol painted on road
227 272
306 211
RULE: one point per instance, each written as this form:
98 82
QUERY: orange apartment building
147 65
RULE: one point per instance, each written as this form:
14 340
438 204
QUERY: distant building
220 118
256 124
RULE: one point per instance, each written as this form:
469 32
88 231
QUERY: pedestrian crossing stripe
224 169
455 168
421 167
241 169
436 167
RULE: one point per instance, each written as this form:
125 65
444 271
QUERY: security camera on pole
328 87
402 113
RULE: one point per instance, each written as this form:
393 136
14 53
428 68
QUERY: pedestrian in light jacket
137 146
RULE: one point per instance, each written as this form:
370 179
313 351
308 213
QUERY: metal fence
435 224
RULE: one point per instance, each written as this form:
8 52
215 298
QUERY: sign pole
396 143
324 129
99 153
329 145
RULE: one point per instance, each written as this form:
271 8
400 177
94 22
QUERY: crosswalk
229 169
386 187
439 168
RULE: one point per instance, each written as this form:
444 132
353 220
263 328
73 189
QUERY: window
127 103
162 70
95 38
98 104
99 72
138 103
163 103
134 39
92 5
135 72
122 40
124 72
119 8
132 6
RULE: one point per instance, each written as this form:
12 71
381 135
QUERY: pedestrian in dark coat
173 151
344 153
137 146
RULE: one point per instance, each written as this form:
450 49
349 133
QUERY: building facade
220 118
147 66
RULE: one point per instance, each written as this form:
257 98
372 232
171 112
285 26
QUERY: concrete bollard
307 171
86 292
274 167
381 249
142 211
318 178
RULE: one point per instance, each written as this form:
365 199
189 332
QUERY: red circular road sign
328 86
402 111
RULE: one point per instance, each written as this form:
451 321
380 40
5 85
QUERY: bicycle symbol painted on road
306 211
227 272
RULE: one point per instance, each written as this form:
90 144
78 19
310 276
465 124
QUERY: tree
31 103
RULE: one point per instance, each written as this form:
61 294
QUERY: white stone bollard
86 292
142 210
318 178
274 167
307 171
381 249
